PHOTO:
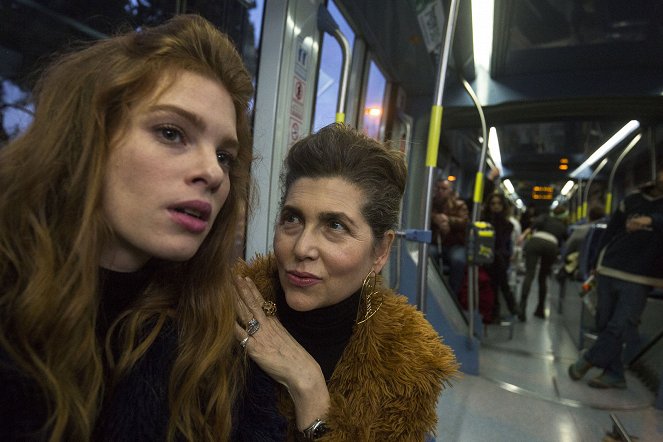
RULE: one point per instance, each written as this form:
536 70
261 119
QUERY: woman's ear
382 250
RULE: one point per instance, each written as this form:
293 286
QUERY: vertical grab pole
431 152
579 201
326 23
627 149
652 151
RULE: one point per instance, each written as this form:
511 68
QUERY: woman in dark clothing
549 231
496 213
118 215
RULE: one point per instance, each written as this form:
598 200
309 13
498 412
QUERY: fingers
253 313
251 300
242 337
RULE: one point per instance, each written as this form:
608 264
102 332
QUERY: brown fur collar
386 385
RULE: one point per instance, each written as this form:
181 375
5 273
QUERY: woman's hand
280 355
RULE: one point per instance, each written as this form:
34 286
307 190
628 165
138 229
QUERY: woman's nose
208 171
305 245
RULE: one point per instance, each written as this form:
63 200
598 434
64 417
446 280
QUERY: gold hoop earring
369 299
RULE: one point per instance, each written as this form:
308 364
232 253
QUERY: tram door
284 103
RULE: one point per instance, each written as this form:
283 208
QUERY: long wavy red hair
52 230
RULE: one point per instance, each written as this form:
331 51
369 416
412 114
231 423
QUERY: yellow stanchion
608 203
434 135
340 117
478 188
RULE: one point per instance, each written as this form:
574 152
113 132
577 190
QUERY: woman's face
496 205
323 245
168 173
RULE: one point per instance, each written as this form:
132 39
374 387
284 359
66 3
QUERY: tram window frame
324 108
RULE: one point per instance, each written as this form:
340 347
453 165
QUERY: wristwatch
315 430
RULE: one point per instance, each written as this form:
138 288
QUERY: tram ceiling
563 77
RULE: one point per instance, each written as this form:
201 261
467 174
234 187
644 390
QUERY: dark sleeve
23 410
488 188
616 226
657 221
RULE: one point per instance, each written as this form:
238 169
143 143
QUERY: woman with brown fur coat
354 361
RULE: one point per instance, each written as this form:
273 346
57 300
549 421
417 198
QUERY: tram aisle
523 391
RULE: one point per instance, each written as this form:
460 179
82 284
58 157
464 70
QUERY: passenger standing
350 359
450 217
118 214
630 264
496 213
516 264
542 249
527 217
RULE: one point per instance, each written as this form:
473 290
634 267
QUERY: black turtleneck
323 332
118 291
137 408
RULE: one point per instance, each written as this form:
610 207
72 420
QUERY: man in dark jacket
629 265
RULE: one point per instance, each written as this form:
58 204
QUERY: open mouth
191 212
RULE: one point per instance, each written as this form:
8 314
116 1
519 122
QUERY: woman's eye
171 134
225 159
289 218
336 225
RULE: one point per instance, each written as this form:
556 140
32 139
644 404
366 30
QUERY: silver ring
244 341
252 327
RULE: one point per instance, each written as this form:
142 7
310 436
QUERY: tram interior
558 80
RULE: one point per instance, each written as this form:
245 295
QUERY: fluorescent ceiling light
567 187
509 186
599 153
482 32
494 149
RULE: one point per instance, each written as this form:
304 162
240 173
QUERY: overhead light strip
509 186
567 187
494 149
482 32
599 153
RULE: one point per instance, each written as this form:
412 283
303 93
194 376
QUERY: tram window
32 31
329 75
373 101
16 110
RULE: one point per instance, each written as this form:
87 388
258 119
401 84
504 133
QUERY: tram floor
523 391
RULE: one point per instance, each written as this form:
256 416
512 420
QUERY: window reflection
32 31
374 101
